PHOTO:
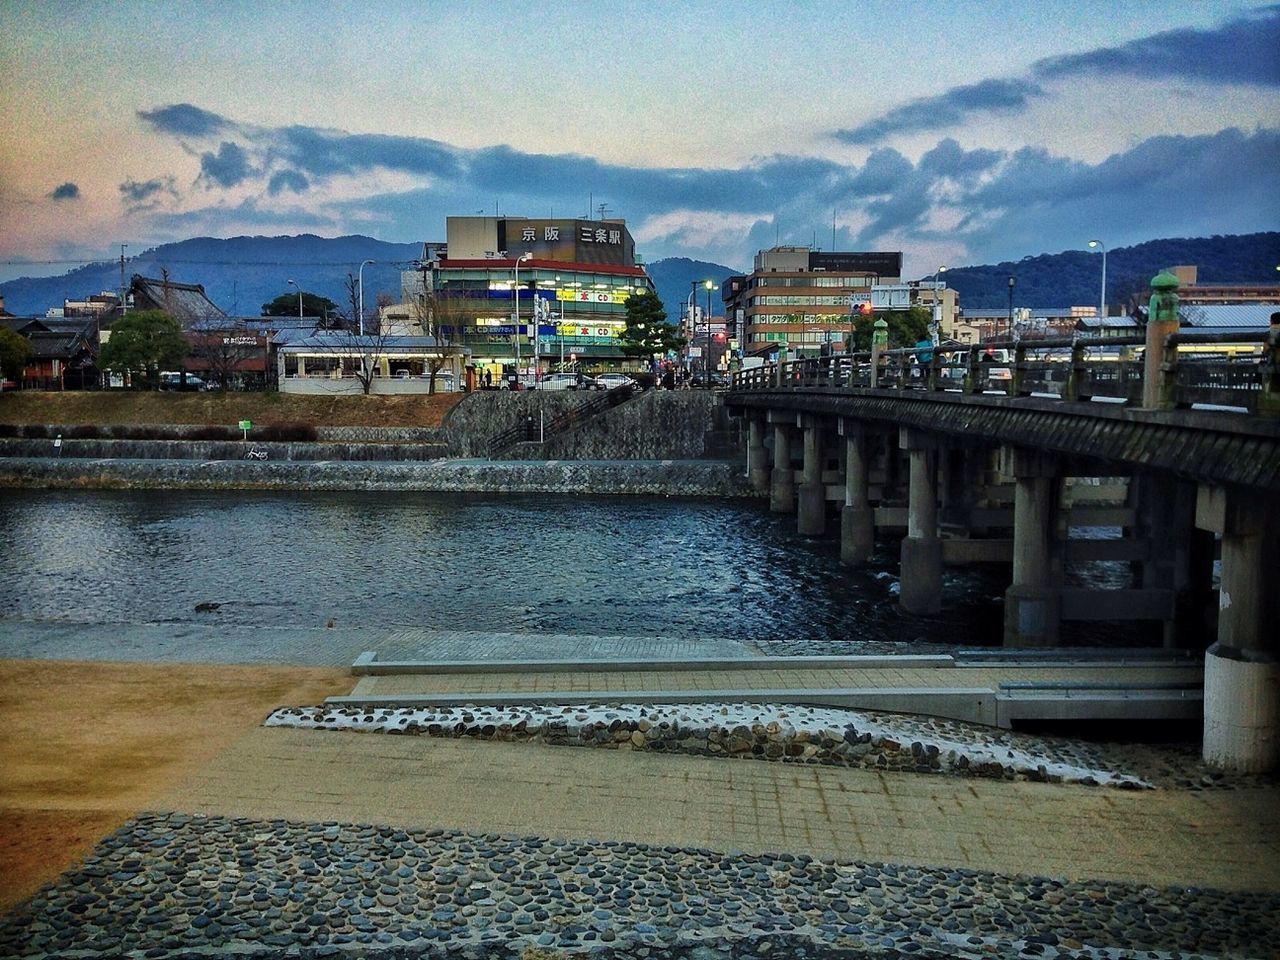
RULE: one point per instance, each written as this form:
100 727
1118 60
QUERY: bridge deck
991 693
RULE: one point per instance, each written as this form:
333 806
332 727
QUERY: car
568 381
718 381
173 381
610 381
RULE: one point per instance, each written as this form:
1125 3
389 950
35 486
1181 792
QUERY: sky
957 132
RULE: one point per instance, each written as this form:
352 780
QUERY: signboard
695 352
593 296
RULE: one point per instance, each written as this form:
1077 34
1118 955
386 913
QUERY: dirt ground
213 408
84 746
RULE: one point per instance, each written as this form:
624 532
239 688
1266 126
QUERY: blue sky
957 132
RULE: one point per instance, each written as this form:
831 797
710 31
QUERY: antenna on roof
603 208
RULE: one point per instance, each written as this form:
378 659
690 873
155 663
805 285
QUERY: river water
625 566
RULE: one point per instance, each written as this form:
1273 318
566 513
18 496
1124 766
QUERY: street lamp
515 308
1009 332
1102 302
295 283
707 359
361 296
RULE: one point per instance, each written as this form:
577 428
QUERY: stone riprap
189 431
673 478
796 734
169 885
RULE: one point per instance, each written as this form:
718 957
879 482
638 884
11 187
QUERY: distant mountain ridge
1074 277
240 274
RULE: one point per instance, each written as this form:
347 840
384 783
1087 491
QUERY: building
1192 293
63 352
574 277
799 298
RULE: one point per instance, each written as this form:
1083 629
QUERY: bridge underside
977 479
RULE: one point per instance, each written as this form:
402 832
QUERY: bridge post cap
881 324
1164 280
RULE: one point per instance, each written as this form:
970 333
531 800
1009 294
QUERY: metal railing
535 430
1237 370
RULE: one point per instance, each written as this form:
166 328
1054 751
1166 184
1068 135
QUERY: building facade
799 298
536 294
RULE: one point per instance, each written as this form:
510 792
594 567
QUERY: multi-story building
511 288
1191 291
800 298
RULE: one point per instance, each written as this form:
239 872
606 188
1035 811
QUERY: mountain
673 278
238 274
1074 277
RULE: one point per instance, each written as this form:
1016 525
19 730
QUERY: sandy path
83 746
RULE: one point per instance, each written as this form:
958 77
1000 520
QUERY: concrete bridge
1009 463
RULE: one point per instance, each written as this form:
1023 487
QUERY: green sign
246 424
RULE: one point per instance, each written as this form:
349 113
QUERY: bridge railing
1239 370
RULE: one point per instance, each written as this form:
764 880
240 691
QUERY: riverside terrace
1198 440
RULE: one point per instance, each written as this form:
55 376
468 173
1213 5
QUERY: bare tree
225 351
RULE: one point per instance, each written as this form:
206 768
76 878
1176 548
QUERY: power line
142 259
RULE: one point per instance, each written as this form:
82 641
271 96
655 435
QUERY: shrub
285 432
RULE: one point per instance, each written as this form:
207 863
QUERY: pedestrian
488 379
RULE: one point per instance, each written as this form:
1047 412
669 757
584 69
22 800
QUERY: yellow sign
588 295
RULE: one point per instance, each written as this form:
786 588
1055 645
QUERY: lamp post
1009 332
936 326
295 283
693 324
361 295
706 361
1102 301
515 308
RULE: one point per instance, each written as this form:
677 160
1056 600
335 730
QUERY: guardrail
1237 370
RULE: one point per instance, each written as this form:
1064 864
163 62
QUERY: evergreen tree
144 343
15 351
313 305
647 331
906 327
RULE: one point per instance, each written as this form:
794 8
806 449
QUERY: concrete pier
811 506
857 519
1033 604
757 455
921 557
782 480
1242 669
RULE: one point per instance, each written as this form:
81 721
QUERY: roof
1234 315
263 326
58 345
984 313
1107 323
184 302
498 263
346 343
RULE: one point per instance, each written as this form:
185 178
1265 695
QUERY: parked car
608 381
173 381
568 381
718 381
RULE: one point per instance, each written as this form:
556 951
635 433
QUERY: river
625 566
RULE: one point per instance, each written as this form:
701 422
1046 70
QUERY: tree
15 351
647 331
313 305
144 343
906 327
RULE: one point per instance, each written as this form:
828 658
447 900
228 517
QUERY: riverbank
671 478
108 407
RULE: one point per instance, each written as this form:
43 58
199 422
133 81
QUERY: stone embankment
688 478
176 885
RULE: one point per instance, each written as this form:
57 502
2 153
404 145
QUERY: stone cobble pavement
169 885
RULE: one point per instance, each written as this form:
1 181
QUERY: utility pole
122 287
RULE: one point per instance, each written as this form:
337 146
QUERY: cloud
65 191
228 167
992 203
1245 51
946 110
184 119
146 195
283 180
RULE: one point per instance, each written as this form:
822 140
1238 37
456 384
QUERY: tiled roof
1235 315
184 302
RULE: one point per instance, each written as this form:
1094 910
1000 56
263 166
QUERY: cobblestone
169 885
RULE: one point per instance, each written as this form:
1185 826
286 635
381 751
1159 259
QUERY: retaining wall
680 478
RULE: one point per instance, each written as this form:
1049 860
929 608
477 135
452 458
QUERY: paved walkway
1227 839
328 647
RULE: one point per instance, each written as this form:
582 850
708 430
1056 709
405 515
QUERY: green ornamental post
1162 321
879 343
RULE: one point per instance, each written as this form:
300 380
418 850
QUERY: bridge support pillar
857 519
1242 669
757 455
1032 604
920 563
811 506
782 481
